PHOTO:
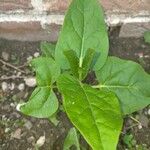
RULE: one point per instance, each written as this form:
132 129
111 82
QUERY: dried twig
12 77
11 66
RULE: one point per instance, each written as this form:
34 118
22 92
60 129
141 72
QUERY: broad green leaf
71 139
48 49
73 61
96 114
42 103
84 28
128 80
47 71
147 37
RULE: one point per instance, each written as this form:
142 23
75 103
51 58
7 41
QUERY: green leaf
53 119
87 61
147 37
73 61
42 103
48 49
47 71
128 80
96 114
84 28
71 139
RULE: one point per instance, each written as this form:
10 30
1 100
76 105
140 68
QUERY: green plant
147 37
97 111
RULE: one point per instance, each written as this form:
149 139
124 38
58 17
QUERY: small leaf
42 103
48 49
73 61
96 114
46 69
147 37
84 27
54 119
128 80
87 62
71 139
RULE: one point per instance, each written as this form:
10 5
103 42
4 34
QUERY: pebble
5 56
7 130
28 125
4 86
12 86
40 142
12 105
16 134
31 82
31 139
21 86
139 126
36 54
29 58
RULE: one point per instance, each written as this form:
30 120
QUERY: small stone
5 56
31 82
17 134
12 105
4 86
28 125
143 46
36 54
21 86
139 126
31 139
29 58
19 74
140 55
40 142
12 86
7 130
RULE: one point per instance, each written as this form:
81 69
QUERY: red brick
126 5
108 5
28 31
8 5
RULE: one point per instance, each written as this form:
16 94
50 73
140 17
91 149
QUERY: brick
9 5
133 6
28 31
55 5
126 5
134 30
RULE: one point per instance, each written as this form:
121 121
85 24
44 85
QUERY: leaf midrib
82 42
90 106
115 86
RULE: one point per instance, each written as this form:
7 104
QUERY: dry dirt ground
19 132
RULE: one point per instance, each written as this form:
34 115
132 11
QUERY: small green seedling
147 37
96 111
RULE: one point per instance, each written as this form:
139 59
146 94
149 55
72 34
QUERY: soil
19 132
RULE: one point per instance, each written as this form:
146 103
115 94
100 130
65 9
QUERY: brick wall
35 20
